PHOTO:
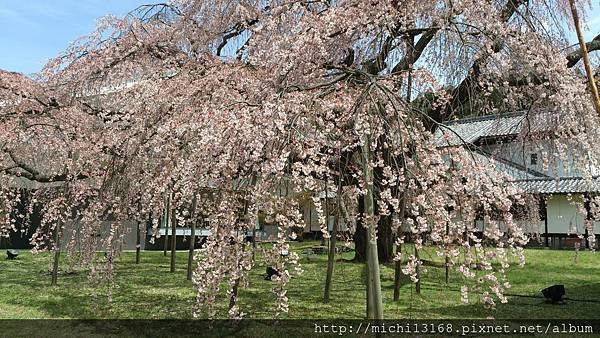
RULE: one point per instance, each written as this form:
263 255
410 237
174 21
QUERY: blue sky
592 22
32 31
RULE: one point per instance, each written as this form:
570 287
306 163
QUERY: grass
149 291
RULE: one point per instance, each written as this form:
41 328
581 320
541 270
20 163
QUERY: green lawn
149 291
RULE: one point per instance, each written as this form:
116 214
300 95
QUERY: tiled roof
472 129
565 185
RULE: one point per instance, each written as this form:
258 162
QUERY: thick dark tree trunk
360 235
385 239
234 294
236 284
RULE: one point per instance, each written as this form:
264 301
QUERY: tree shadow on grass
139 291
527 306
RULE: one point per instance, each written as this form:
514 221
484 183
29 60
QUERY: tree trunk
385 241
236 283
192 241
234 291
234 294
374 298
360 235
56 255
138 244
173 240
385 237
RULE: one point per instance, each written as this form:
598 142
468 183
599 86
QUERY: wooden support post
374 297
166 225
418 284
56 255
546 222
173 240
586 59
446 259
190 264
138 243
332 241
397 274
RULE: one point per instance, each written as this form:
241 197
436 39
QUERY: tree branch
415 54
235 31
33 174
574 57
461 93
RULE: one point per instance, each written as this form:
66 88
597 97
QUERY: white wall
563 214
311 219
520 153
529 227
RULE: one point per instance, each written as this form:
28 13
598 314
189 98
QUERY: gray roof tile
565 185
472 129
